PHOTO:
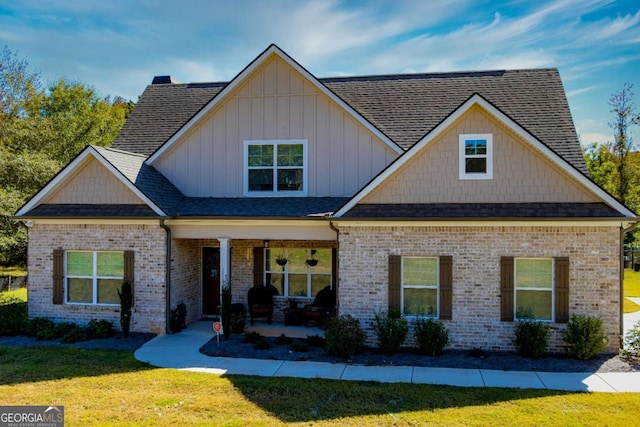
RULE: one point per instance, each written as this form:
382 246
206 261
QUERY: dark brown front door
210 281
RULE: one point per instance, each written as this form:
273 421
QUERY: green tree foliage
614 165
41 130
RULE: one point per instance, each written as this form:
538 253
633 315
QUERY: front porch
200 268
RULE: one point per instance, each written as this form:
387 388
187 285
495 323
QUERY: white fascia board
72 167
480 101
272 50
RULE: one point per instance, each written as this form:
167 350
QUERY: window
534 288
276 168
93 277
305 273
476 156
420 277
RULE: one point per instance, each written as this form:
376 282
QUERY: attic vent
161 80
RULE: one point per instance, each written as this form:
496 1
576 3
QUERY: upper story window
276 168
476 156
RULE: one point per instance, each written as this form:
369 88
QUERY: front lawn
102 387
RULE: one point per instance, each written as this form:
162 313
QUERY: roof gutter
623 231
167 278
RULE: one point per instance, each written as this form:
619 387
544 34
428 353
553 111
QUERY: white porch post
225 261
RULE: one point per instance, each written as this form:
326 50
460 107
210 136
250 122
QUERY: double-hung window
476 156
93 277
534 288
420 283
298 272
276 168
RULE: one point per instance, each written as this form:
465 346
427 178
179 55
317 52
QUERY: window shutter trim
446 287
58 276
129 270
395 279
334 267
561 289
506 288
258 266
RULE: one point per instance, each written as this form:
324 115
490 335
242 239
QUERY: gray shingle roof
483 210
160 112
148 180
405 107
91 211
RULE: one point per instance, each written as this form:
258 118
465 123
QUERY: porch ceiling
252 229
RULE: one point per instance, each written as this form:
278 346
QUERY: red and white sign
217 327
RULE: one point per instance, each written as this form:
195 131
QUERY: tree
17 86
624 110
41 130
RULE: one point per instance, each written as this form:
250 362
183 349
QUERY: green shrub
431 335
299 347
261 344
532 338
251 337
75 333
284 340
344 336
316 341
632 340
391 329
584 336
13 315
100 329
41 328
63 328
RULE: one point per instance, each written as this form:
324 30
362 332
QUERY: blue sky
117 46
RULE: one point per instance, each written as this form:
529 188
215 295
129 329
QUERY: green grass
101 387
12 271
21 294
631 283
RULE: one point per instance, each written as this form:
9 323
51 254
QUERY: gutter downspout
623 231
333 227
167 278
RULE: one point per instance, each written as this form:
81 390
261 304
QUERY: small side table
293 316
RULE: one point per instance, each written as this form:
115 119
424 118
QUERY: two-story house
459 196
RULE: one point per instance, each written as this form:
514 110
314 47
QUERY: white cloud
590 138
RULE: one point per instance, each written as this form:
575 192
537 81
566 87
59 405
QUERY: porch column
225 261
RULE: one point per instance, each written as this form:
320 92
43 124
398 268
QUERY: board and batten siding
275 103
520 173
93 184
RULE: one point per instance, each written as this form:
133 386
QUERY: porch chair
260 300
323 307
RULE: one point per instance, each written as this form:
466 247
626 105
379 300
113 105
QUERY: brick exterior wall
148 244
186 276
594 254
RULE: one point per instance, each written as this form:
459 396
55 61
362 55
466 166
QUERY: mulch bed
235 347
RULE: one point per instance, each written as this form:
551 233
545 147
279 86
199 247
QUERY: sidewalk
181 351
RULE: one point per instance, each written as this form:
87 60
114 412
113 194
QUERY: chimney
162 80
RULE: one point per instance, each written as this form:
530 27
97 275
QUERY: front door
210 281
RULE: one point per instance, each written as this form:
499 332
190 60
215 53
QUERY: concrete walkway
181 351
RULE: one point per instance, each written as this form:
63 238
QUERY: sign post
217 327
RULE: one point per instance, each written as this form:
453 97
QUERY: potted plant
126 302
237 323
281 260
312 262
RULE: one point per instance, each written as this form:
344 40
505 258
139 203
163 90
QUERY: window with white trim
93 277
276 168
534 288
420 284
298 272
476 156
